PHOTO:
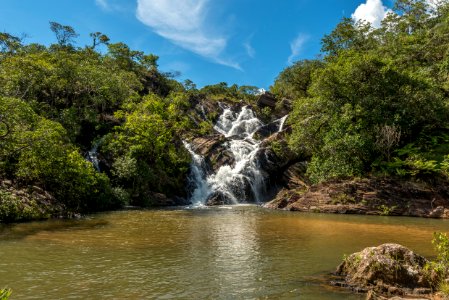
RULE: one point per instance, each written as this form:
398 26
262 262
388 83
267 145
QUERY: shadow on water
18 231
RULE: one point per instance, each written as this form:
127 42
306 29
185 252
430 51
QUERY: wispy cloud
103 4
183 23
249 49
296 47
372 11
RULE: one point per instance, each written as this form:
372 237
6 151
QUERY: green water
241 252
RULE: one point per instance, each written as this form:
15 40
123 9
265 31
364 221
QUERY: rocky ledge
368 196
29 203
389 271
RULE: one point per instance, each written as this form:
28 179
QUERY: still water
239 252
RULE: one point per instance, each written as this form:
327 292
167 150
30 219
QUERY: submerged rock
387 270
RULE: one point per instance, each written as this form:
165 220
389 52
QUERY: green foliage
294 81
445 165
233 93
36 151
5 294
443 287
439 268
147 152
386 210
58 101
375 93
12 209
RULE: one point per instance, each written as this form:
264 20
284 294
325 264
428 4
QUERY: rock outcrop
27 203
370 196
389 271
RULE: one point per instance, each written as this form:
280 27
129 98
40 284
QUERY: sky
247 42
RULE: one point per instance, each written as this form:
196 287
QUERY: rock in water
389 269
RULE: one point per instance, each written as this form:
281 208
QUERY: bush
13 208
5 294
439 268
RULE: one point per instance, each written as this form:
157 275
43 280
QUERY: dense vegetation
57 102
378 100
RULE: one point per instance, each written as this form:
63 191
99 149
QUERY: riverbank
20 204
368 196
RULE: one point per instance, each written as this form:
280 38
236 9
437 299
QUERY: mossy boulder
389 269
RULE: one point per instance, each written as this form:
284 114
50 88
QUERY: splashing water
241 182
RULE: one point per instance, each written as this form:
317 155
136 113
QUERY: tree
348 34
64 34
8 43
98 39
352 96
294 81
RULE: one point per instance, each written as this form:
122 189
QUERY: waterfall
197 178
282 122
92 156
241 182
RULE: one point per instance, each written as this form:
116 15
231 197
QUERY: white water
231 182
92 156
282 122
243 181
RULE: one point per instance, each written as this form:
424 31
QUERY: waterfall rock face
226 167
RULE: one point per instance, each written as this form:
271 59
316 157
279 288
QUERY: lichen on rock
389 269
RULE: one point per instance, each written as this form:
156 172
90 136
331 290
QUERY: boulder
214 151
266 100
389 269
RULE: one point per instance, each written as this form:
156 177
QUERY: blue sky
247 42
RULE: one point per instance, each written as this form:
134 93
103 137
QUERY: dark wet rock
267 130
218 199
266 100
386 270
159 199
213 149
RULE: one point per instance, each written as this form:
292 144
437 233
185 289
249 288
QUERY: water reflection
235 249
239 252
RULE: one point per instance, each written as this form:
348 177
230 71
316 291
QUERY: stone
37 189
389 269
266 100
7 182
437 212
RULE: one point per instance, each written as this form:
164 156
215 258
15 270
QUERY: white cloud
103 4
434 3
183 23
296 47
249 49
372 11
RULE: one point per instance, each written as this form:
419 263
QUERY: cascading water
92 156
282 122
241 182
